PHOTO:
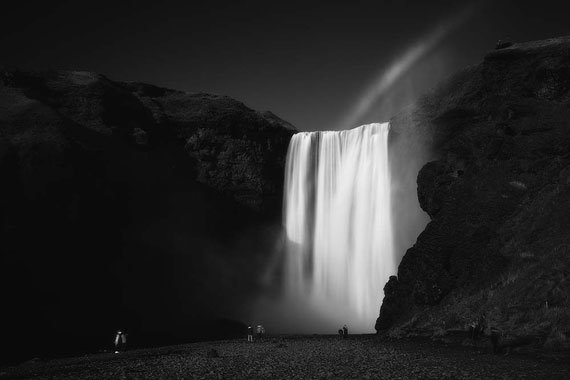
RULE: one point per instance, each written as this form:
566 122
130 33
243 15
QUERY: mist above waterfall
337 219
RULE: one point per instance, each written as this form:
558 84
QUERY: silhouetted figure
502 44
344 331
495 336
477 329
260 331
249 333
472 327
120 342
340 333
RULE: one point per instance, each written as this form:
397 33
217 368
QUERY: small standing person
344 331
120 342
249 333
260 332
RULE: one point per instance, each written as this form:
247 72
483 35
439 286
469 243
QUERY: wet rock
390 305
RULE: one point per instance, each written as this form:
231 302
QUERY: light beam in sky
401 66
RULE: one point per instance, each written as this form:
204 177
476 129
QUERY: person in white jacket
249 333
120 342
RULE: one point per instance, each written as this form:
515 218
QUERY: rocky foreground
316 357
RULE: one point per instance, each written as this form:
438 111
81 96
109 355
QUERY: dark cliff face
237 151
130 206
498 195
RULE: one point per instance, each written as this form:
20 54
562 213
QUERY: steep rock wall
498 193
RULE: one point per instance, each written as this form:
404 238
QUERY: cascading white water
338 224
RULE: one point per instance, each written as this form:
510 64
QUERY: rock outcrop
107 187
497 191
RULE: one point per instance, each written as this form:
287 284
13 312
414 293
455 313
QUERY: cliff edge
496 251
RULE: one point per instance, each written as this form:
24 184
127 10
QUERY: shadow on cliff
114 216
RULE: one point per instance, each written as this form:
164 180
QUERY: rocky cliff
497 191
125 205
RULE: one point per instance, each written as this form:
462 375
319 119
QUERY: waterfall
336 215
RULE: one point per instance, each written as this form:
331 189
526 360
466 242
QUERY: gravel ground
307 357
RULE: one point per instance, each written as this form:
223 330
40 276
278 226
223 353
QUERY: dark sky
309 62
